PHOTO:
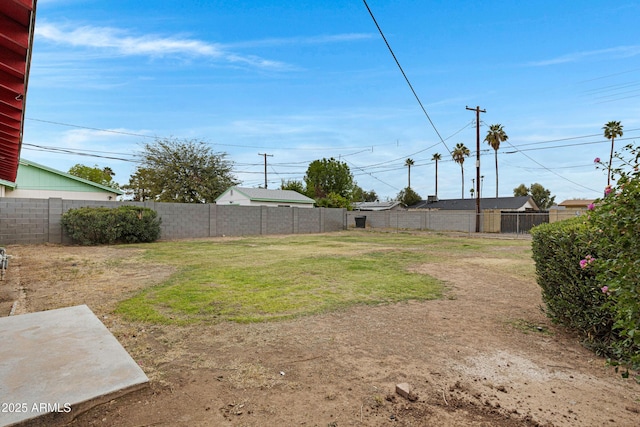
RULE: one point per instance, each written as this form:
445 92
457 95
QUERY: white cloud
324 39
120 42
601 54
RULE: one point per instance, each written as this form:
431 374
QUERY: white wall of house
237 198
46 194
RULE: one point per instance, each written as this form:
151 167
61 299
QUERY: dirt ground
483 356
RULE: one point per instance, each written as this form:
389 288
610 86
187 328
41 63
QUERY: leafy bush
96 226
572 294
615 220
589 268
334 200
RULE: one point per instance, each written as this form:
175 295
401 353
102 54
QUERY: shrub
616 222
334 200
589 269
572 294
138 224
96 226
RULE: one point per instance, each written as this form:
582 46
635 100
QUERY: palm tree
611 131
435 158
408 163
496 135
459 153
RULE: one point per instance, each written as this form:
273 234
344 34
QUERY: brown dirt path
483 356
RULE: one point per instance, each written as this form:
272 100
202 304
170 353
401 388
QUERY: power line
214 143
74 152
553 172
92 128
405 76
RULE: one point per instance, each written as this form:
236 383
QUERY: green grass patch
257 279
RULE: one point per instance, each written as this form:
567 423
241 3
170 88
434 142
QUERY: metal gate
521 222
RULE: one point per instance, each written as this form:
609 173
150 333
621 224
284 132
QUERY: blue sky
303 80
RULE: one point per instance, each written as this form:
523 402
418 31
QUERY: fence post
54 220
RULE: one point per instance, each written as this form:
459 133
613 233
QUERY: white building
264 197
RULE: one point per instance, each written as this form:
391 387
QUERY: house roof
572 203
17 22
266 195
375 206
27 163
505 203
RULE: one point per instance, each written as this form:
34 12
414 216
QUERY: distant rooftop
576 203
266 195
375 206
504 203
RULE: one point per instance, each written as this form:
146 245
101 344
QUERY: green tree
436 157
496 135
408 197
102 176
139 186
185 171
612 130
333 200
328 176
540 195
408 163
521 190
360 195
292 185
459 153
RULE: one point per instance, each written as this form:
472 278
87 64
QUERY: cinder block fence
30 221
25 221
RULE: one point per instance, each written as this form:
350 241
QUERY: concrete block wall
309 221
416 220
32 221
24 221
234 220
183 220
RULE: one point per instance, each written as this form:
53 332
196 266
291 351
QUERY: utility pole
478 111
265 155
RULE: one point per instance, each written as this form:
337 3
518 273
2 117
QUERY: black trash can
361 221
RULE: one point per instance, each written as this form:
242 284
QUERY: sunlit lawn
268 278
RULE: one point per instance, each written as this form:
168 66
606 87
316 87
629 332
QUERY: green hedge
98 226
589 267
572 294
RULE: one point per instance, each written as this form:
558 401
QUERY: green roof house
263 197
36 181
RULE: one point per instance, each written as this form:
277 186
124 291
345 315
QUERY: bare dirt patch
485 355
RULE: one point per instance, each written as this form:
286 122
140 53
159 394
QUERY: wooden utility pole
478 111
265 155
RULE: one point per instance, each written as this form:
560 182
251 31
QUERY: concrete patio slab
56 364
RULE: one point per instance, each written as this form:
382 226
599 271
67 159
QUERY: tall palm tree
408 163
611 131
435 158
459 153
496 135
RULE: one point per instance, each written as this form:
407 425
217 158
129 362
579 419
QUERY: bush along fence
124 224
32 221
589 271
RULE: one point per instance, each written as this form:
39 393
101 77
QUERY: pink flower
596 160
585 262
604 289
608 190
591 206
